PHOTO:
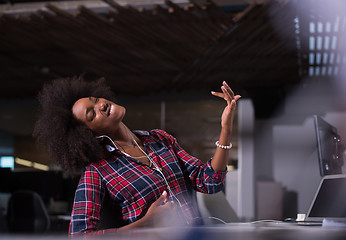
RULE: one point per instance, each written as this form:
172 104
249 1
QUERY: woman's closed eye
93 115
90 115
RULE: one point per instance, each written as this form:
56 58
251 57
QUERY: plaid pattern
134 186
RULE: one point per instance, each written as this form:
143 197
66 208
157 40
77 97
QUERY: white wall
295 163
283 148
286 150
240 183
295 157
246 177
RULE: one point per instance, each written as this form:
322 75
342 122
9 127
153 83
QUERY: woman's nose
102 106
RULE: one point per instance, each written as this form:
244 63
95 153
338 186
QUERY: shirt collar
141 132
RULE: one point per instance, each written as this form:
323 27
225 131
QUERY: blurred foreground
255 230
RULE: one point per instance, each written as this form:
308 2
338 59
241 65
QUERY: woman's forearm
219 160
138 224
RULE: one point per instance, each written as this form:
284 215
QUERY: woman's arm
154 214
88 204
203 177
160 207
219 160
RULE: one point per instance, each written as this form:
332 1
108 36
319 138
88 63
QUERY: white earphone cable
172 195
155 165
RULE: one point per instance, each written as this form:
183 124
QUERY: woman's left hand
228 113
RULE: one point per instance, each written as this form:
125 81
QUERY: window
322 55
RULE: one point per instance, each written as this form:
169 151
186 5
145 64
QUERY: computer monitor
329 200
330 149
7 162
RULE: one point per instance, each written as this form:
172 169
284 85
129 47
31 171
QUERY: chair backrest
215 209
3 223
26 212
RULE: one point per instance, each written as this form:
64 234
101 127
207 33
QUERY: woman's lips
110 109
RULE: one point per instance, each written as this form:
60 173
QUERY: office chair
3 223
215 209
26 213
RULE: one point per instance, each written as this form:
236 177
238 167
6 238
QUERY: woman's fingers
162 199
227 93
228 89
218 94
236 97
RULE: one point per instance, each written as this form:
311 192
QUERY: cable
266 220
155 165
215 218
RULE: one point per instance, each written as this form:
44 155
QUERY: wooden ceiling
259 49
141 51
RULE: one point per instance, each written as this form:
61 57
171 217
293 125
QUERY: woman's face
100 115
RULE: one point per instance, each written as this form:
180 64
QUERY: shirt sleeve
203 177
87 204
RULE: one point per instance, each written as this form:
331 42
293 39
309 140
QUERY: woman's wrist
226 131
225 147
140 223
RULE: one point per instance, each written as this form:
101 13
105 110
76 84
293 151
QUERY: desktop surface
234 231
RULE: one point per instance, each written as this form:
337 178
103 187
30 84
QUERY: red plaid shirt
134 186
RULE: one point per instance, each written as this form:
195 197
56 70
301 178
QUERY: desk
240 231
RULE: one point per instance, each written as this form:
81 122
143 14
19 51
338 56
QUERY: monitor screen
329 147
330 198
7 162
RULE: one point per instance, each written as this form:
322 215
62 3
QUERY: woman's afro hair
68 142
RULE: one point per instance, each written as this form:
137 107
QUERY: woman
142 174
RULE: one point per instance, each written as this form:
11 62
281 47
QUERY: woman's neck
123 135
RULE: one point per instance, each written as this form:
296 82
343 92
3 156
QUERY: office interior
162 58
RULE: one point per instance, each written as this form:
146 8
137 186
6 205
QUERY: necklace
157 168
134 143
128 136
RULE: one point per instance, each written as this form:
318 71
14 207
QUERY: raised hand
231 99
